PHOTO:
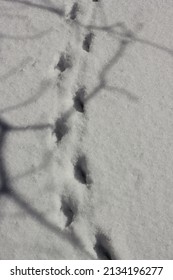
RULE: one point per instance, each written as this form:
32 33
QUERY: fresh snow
86 129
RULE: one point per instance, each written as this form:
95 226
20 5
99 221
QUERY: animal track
65 62
69 210
74 11
61 128
88 41
79 99
81 171
102 248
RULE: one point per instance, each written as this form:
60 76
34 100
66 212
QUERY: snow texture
86 129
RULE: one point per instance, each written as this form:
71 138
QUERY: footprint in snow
103 248
64 63
87 42
79 100
69 210
81 171
74 11
61 128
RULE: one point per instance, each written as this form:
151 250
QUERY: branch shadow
5 184
106 28
46 159
111 30
41 91
56 11
7 189
123 44
15 69
40 218
125 39
28 37
5 128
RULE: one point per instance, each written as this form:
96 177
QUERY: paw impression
103 248
79 100
88 41
81 171
65 62
61 128
74 11
69 210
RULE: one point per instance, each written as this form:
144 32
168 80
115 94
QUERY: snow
86 129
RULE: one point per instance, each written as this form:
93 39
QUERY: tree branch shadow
15 69
111 29
123 44
125 38
106 28
56 11
8 191
46 159
27 37
41 91
6 188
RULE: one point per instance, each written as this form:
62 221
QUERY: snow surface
86 129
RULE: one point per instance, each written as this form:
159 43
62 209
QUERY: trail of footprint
81 170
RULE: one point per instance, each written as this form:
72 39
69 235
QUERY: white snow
86 129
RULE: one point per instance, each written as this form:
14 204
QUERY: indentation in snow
88 41
61 128
79 100
81 171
